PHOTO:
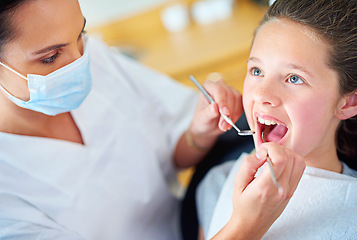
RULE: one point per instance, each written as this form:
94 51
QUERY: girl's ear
347 107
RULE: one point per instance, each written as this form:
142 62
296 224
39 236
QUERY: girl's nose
268 94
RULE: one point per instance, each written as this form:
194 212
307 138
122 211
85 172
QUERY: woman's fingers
228 99
207 121
238 106
248 169
256 200
288 167
218 91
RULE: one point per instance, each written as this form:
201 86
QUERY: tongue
274 133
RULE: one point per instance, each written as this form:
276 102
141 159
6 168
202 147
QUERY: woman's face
290 92
47 37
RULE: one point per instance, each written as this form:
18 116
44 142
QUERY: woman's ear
347 108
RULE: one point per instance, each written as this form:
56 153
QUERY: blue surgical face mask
60 91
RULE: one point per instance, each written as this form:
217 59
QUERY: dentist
90 141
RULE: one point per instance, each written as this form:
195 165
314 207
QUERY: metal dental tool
273 176
240 132
226 118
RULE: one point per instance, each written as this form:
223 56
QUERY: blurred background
180 37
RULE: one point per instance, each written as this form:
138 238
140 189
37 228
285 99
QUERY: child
300 96
91 140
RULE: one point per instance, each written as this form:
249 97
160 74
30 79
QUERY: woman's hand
257 202
207 122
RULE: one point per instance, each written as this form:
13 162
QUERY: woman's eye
295 79
50 59
257 72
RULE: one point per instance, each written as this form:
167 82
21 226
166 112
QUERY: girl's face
47 37
290 92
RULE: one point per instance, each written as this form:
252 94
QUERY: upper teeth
266 122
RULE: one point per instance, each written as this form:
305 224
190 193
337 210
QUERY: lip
259 127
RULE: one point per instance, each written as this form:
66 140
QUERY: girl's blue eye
257 72
295 79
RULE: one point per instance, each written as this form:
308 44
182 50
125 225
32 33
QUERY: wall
98 12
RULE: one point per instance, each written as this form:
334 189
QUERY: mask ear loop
12 70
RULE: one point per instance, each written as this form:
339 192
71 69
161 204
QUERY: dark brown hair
7 31
335 21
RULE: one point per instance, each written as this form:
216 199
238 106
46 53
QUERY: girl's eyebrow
297 67
254 59
57 46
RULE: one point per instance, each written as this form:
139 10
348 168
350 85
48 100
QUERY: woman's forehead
41 22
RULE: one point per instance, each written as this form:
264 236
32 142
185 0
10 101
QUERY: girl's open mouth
271 131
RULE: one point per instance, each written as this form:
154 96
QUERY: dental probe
273 176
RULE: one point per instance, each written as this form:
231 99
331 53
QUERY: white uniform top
116 185
323 207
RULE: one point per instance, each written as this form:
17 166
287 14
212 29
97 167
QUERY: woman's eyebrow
50 48
57 46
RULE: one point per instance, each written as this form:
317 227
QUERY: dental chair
228 147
